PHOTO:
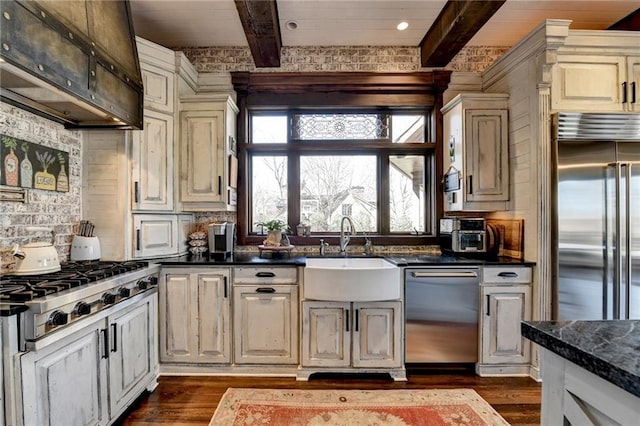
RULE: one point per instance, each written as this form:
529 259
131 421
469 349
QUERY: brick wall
59 210
345 58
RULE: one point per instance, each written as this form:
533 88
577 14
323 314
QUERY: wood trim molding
456 24
262 29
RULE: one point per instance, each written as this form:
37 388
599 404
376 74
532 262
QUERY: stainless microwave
463 235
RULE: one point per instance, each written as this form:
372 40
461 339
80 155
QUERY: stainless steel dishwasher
441 305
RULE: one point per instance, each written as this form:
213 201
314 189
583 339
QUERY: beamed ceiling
440 28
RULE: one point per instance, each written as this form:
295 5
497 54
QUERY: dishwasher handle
433 274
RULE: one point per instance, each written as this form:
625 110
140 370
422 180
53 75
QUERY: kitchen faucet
344 237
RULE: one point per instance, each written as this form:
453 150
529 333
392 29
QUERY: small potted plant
275 228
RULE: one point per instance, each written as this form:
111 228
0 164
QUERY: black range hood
74 62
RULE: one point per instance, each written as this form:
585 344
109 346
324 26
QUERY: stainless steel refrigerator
597 207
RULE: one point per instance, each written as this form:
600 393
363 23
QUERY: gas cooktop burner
20 288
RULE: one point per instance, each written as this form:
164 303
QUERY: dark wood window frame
286 91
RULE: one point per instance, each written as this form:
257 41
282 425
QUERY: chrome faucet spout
344 237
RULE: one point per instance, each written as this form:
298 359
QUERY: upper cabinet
596 83
476 152
152 163
207 152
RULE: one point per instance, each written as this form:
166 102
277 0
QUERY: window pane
340 126
406 193
408 128
269 189
332 186
269 129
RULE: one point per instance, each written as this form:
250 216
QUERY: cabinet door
265 324
158 88
155 235
177 338
326 334
211 319
202 156
194 321
66 383
504 307
377 334
588 83
132 352
486 155
152 168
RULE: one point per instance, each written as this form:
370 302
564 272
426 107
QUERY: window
313 147
314 167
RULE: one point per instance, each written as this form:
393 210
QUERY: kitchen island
590 370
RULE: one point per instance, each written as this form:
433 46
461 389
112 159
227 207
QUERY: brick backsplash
58 210
337 58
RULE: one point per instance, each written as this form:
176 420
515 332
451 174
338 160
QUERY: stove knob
153 280
142 284
58 318
124 292
82 308
108 298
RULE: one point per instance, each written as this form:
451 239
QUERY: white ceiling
197 23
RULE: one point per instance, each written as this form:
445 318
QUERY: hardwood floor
191 400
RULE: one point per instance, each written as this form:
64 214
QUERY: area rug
292 407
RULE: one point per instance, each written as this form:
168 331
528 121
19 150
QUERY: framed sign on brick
29 165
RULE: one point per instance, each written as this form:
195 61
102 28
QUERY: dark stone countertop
609 349
400 259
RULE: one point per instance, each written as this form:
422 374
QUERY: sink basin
350 279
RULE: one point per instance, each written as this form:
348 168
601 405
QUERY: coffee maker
221 239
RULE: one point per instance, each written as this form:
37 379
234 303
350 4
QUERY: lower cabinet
90 376
505 302
350 334
194 315
265 322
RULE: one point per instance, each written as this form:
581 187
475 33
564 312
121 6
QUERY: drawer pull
265 275
508 275
265 290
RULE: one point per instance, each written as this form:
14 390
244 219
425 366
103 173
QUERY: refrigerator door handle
617 273
626 235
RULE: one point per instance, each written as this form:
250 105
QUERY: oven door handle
461 274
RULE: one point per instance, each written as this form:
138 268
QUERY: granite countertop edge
399 259
625 375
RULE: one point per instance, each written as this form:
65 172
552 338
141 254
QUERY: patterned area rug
354 407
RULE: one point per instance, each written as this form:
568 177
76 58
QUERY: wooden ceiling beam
262 28
631 22
457 23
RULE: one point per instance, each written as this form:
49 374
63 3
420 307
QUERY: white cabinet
207 123
345 336
596 83
129 174
133 353
265 315
505 302
152 163
155 235
195 326
476 152
158 82
92 375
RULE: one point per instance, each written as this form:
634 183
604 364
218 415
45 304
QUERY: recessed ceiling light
292 25
402 26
